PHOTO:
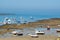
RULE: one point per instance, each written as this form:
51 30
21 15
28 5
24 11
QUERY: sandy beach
41 37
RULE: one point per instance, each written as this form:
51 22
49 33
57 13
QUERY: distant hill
52 22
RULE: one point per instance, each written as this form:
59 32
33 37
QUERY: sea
26 17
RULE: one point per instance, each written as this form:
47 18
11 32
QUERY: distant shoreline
6 14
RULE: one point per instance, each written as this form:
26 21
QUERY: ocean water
28 18
17 17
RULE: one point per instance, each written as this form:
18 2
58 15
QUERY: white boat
39 32
33 35
18 32
58 30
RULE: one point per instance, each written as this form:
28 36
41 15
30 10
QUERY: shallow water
52 31
26 31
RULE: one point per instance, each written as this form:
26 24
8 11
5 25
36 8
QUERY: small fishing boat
39 33
33 36
58 30
17 33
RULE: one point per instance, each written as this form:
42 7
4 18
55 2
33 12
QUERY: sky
30 7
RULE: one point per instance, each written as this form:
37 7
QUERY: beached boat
18 33
58 30
33 36
39 33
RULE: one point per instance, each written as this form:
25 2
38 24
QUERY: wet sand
41 37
